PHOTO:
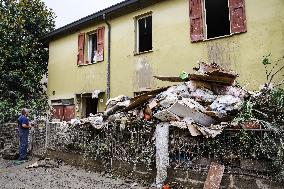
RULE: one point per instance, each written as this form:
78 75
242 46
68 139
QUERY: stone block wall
129 152
9 140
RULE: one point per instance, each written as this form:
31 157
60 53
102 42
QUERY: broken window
144 34
92 48
217 18
212 18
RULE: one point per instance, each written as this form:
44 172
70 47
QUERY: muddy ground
17 176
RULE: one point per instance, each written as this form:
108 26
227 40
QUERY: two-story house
118 50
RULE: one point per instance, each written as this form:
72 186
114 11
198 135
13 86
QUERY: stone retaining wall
130 152
9 140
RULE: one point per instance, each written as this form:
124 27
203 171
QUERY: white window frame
205 22
137 18
90 44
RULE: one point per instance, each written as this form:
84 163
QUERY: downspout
108 56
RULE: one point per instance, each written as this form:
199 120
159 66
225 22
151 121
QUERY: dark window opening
92 48
145 34
217 18
91 106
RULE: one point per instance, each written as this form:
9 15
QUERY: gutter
108 56
114 11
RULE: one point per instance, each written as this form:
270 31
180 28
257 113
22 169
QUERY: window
95 47
86 104
91 106
217 18
92 48
211 18
144 34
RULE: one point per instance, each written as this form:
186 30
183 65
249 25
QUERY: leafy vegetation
23 56
266 108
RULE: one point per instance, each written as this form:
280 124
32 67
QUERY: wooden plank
169 78
140 100
214 176
212 78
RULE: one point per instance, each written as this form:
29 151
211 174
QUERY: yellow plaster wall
172 53
66 78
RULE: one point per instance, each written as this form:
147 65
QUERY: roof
114 11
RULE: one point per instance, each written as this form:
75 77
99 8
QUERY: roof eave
114 11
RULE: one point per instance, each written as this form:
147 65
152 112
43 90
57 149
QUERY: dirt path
12 177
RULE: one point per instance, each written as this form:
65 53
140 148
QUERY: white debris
166 115
170 99
223 104
204 95
162 152
75 121
185 111
96 122
96 93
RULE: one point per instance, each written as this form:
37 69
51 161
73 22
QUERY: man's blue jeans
24 140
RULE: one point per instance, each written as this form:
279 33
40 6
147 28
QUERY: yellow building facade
172 51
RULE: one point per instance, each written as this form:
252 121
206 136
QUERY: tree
23 56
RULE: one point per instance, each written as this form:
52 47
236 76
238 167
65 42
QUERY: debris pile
45 163
204 103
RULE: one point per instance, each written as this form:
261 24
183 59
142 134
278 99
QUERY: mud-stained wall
143 77
131 151
223 53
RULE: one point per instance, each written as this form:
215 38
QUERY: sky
67 11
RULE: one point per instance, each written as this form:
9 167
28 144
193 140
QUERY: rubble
162 153
204 104
46 163
214 176
206 98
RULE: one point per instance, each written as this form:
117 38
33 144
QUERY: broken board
140 100
169 78
166 115
214 176
185 111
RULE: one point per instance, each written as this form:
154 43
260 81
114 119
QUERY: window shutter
100 43
237 16
196 20
81 45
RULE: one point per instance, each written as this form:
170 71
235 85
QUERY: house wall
172 53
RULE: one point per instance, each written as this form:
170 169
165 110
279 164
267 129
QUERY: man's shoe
24 159
19 162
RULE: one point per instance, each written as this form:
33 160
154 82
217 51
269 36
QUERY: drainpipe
108 56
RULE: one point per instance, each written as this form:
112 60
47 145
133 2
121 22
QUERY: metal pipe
108 57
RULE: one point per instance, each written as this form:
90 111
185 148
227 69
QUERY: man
24 127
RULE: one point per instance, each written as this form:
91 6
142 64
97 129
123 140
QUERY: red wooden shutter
81 45
237 16
196 20
100 43
58 112
69 112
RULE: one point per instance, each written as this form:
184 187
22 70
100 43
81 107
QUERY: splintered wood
214 176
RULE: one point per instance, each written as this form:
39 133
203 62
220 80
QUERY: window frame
205 28
136 24
89 47
198 26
